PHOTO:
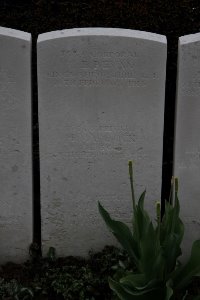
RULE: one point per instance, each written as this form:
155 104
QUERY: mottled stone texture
101 103
187 136
15 145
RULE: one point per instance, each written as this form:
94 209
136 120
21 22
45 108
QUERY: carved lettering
97 68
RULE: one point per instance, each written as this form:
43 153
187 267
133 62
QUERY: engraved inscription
95 53
111 82
95 68
103 141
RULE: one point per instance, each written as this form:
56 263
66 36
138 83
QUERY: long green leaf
171 235
169 290
151 261
151 254
126 292
120 292
136 280
141 223
122 233
183 275
185 296
141 200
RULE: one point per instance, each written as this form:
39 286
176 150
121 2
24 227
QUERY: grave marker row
101 103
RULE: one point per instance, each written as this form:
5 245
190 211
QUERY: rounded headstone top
18 34
190 38
118 32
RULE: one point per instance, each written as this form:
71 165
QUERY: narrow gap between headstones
168 135
35 153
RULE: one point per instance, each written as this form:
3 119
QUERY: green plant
14 290
51 254
74 278
154 250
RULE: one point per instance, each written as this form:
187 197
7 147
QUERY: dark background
167 17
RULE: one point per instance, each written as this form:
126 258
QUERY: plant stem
176 189
171 191
158 214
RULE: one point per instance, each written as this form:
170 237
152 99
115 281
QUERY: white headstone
15 145
187 137
101 104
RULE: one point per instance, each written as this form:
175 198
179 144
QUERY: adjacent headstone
187 137
101 104
15 145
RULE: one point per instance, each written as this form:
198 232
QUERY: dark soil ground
167 17
69 278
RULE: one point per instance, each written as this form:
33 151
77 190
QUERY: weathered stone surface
15 145
187 137
101 103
